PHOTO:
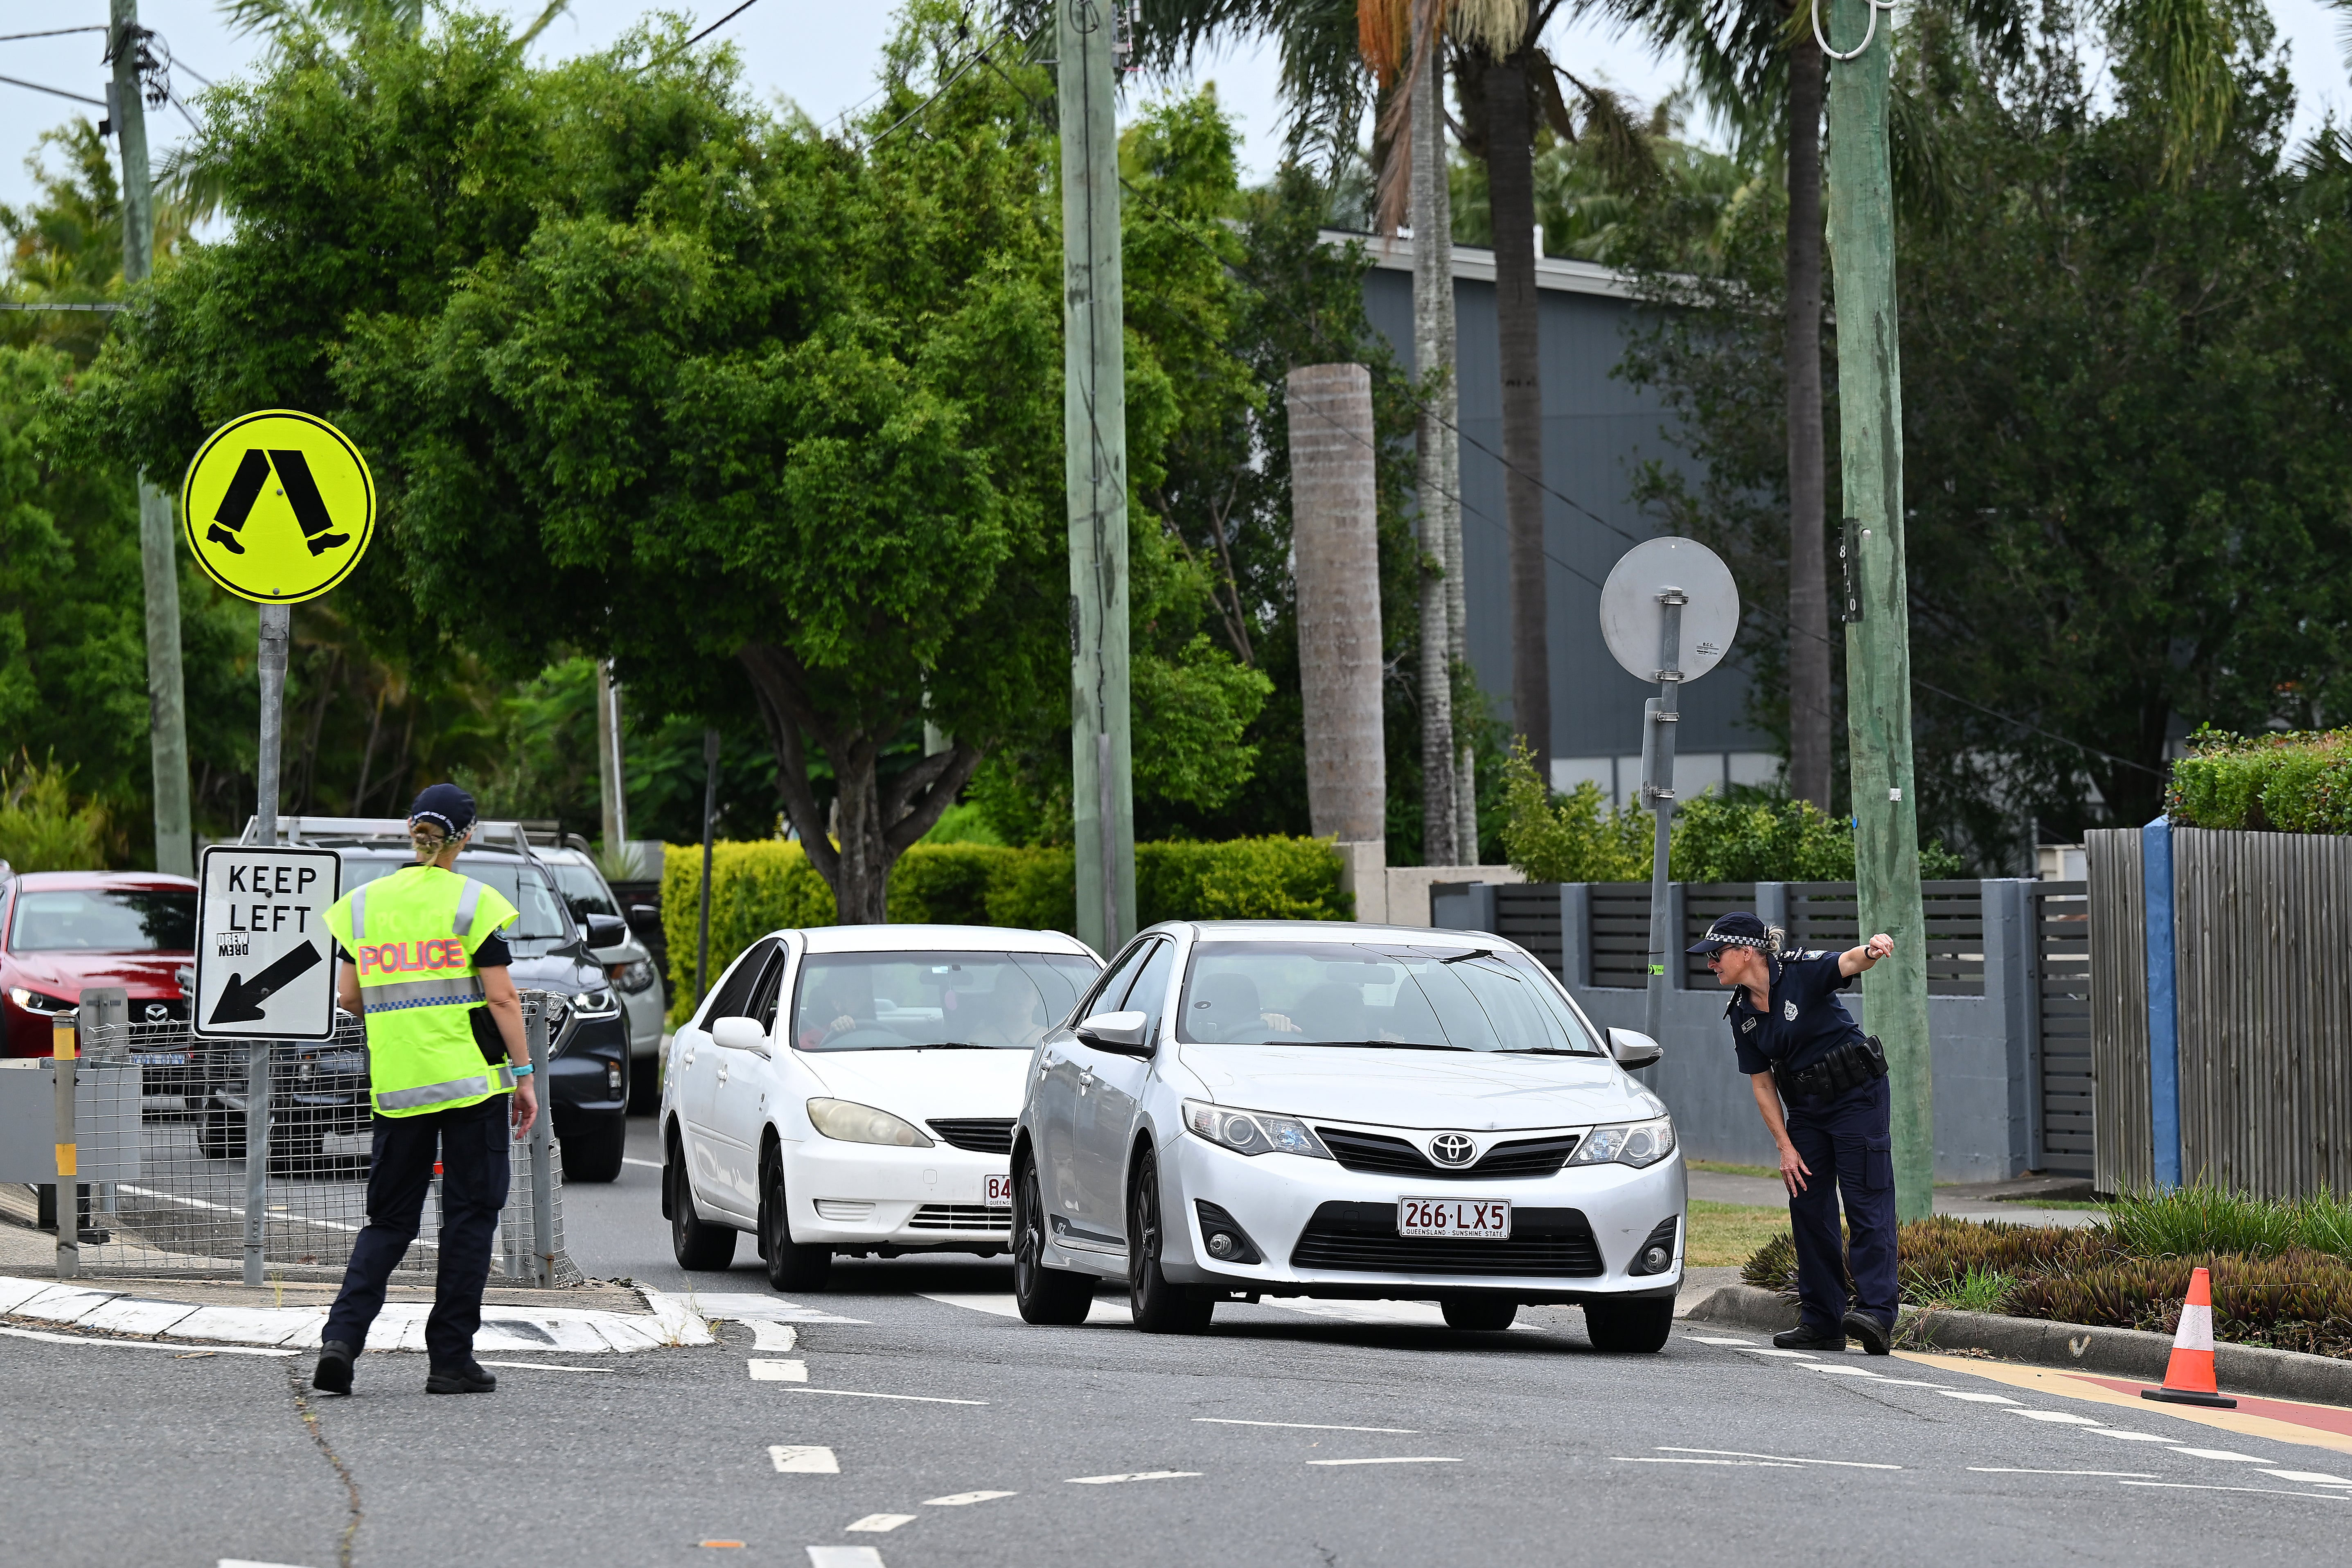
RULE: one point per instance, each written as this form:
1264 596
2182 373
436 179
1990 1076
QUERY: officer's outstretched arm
1854 960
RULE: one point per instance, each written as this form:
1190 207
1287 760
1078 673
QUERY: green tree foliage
2129 481
1573 837
41 828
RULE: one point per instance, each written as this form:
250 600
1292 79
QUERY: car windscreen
900 1001
583 889
1403 996
98 920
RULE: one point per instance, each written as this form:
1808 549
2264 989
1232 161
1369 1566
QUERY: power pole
1877 632
1094 434
167 718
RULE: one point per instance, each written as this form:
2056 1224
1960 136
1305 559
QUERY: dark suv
587 1085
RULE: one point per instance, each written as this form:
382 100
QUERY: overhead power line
57 92
51 33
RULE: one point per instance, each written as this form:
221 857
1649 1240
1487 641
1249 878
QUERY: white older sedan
853 1089
1247 1109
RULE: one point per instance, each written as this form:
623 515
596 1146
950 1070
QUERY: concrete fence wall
1984 1046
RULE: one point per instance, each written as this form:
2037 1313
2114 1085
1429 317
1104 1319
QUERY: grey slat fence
2061 921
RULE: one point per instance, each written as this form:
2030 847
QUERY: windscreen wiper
1541 1051
1466 957
1386 1045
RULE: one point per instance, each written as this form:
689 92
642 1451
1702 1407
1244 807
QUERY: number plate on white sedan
1484 1219
1000 1192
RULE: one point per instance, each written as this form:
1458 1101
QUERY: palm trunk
1510 186
1432 296
1335 505
1809 617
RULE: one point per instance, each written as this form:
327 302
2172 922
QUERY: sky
822 55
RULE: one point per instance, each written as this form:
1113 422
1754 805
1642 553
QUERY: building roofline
1558 273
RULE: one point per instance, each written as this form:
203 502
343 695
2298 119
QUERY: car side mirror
1123 1034
740 1035
1633 1049
606 930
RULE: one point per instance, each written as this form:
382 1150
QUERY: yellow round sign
278 506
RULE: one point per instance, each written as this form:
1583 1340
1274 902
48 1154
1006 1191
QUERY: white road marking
2014 1471
133 1344
803 1459
958 1499
648 1164
767 1336
2218 1454
1131 1476
1910 1383
2311 1478
1106 1309
2265 1492
1704 1340
545 1366
1842 1370
2058 1417
1774 1350
910 1398
844 1557
745 1307
2126 1434
1734 1464
880 1522
1406 1459
249 1562
1778 1458
778 1371
1975 1398
1305 1425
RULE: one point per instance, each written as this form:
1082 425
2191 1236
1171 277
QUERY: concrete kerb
2071 1347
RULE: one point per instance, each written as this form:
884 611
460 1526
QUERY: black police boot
333 1374
468 1379
1804 1339
1870 1332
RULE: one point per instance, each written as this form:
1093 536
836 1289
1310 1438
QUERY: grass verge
1770 1172
1726 1234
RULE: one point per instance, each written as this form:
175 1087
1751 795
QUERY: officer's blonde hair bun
1775 940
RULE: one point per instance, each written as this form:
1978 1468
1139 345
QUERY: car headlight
1635 1143
855 1123
598 1004
1253 1132
38 1001
634 977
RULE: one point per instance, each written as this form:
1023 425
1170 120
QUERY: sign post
278 507
1669 612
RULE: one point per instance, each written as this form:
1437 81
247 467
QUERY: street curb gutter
2075 1347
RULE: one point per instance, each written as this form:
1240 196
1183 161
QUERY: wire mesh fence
176 1199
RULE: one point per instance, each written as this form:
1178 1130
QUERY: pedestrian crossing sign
278 506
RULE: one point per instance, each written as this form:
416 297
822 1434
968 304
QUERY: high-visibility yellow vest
412 937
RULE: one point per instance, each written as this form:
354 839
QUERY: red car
68 930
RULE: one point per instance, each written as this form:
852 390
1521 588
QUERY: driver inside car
1006 1015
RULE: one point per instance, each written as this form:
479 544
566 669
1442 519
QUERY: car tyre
694 1244
594 1147
1161 1307
221 1135
1629 1328
1043 1295
1480 1312
791 1266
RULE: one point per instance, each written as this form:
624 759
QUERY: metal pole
608 761
710 818
1660 714
68 1204
1094 426
1877 632
167 726
276 622
542 1153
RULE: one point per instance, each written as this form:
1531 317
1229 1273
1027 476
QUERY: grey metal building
1598 429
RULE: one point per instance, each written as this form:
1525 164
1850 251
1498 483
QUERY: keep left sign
265 959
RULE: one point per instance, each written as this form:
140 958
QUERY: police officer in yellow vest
424 963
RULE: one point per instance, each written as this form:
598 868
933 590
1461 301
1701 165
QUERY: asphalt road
1342 1435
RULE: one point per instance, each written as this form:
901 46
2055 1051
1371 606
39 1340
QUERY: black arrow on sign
241 1002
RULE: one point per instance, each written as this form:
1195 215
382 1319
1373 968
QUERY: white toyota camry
1242 1109
853 1089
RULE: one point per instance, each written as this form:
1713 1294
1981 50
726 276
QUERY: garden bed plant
2282 1271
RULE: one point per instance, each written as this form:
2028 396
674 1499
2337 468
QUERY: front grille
981 1134
1375 1153
1545 1243
961 1216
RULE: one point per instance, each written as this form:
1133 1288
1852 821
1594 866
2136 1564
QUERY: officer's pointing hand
1879 946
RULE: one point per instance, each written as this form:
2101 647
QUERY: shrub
2195 1220
40 828
755 888
2291 782
1573 838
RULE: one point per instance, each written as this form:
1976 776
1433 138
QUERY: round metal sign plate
278 506
1632 619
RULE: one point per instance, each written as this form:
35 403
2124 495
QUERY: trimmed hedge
762 885
2293 781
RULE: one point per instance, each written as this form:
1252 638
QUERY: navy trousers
471 1144
1844 1141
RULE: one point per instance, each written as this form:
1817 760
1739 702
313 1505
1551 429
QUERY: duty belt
1850 1065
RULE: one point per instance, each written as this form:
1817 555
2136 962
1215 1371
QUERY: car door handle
722 1072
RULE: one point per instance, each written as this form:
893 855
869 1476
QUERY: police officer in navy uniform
1801 1049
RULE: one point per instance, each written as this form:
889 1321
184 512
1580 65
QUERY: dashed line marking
880 1523
249 1562
1130 1476
913 1398
768 1336
2315 1477
1973 1397
1705 1340
2217 1454
844 1557
2016 1470
1402 1460
803 1459
1779 1459
545 1366
2125 1435
960 1500
2265 1492
1307 1426
2061 1418
1841 1371
778 1371
1775 1351
1734 1464
648 1164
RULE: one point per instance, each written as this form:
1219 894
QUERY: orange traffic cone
2189 1377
